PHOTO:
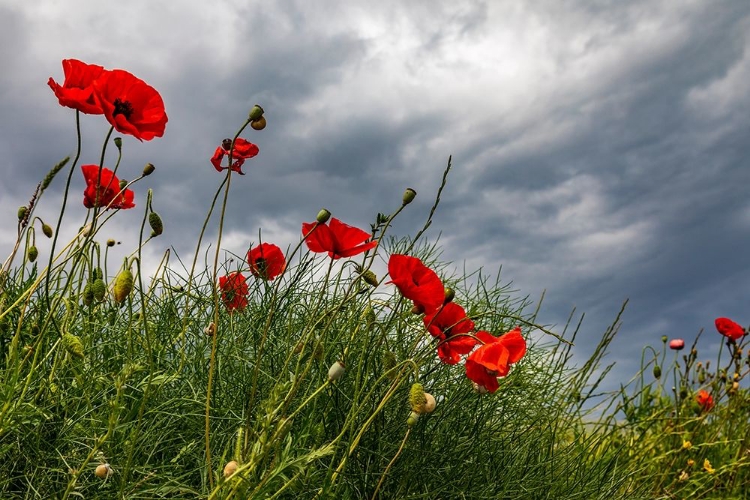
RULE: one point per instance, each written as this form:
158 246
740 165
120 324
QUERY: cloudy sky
600 149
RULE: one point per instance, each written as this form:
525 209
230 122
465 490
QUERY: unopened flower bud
664 339
323 216
155 222
148 169
336 371
258 124
47 230
22 212
230 468
657 371
389 362
413 418
33 253
110 242
103 471
255 113
73 345
450 294
409 196
87 295
99 289
370 278
417 401
123 285
123 183
118 142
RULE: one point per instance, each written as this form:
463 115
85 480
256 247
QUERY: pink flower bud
676 344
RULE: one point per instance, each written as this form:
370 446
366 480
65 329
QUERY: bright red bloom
492 359
448 324
416 282
336 238
108 192
266 261
130 105
729 329
233 291
243 150
705 400
77 90
676 344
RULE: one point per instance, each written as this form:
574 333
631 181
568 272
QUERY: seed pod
409 196
148 169
155 222
99 289
103 471
657 371
118 142
256 112
123 183
123 285
336 371
73 345
258 124
323 216
230 468
33 253
47 230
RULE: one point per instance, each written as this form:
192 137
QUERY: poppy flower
705 400
676 344
233 291
448 324
336 238
729 329
77 90
492 359
108 192
242 151
416 282
266 261
130 105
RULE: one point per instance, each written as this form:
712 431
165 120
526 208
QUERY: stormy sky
600 149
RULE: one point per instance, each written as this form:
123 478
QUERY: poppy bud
676 344
110 242
255 113
47 230
323 216
413 417
155 222
657 371
230 468
258 124
118 142
99 289
450 294
33 253
336 371
370 278
123 183
409 196
148 169
417 401
123 285
88 295
664 339
73 345
370 316
22 212
389 361
103 471
701 377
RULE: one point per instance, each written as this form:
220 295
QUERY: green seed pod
155 222
409 196
148 169
33 253
22 212
323 216
99 289
417 399
123 285
664 339
123 183
73 345
47 230
118 142
657 371
256 112
88 294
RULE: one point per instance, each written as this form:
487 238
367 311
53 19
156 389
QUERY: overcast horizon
600 151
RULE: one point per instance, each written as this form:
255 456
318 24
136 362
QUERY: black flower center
261 265
123 108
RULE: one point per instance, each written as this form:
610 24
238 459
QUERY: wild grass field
300 373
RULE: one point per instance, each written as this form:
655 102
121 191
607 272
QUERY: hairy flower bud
258 124
657 371
409 196
323 216
370 278
155 222
73 345
47 230
99 289
87 295
417 400
123 286
33 253
22 213
255 113
336 371
118 142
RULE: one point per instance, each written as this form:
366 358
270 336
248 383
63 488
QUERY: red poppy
77 90
130 105
233 291
416 282
705 400
676 344
266 261
336 238
108 193
729 329
492 359
243 150
448 324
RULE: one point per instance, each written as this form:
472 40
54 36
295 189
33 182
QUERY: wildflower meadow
301 373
